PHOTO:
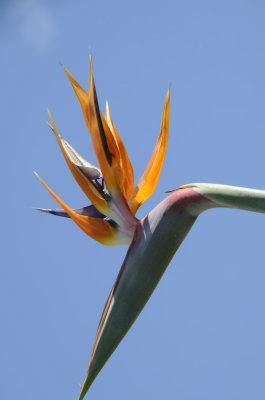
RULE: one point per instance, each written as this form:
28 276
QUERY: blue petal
89 211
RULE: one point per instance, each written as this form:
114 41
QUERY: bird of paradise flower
111 218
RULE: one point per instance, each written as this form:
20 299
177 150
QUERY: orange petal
116 165
74 162
126 166
81 94
96 228
105 148
148 181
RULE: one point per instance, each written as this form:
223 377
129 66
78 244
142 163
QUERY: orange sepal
149 179
86 185
81 94
96 228
116 165
126 166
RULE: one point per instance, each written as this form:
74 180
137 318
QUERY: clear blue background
202 334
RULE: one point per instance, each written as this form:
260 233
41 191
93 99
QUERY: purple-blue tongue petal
89 211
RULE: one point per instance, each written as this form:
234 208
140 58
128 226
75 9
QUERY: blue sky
202 334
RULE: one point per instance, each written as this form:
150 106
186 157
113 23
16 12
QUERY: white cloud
36 25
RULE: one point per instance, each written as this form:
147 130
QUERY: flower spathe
110 188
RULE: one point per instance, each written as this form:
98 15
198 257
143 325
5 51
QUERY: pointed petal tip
45 210
63 67
91 75
36 208
189 185
70 77
107 111
171 190
50 116
50 124
167 100
39 178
